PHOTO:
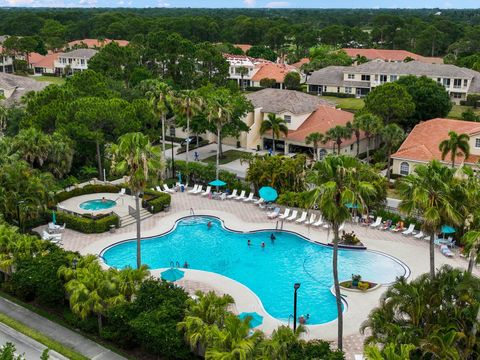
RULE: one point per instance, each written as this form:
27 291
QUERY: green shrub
294 199
155 201
88 224
192 146
87 189
338 95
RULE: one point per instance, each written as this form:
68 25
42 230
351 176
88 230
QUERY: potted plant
356 279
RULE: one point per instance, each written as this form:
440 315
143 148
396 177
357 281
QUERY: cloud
277 4
87 2
163 4
249 3
19 2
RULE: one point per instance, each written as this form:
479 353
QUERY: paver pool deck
238 215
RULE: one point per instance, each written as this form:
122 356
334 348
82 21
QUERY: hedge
338 95
253 88
87 189
88 225
155 201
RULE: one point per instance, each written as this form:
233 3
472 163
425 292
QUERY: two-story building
359 80
14 87
73 61
422 144
6 62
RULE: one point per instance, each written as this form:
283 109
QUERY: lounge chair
207 192
359 357
302 218
341 227
293 216
312 220
285 214
122 192
274 213
259 202
398 227
419 235
195 187
249 198
167 189
446 251
47 236
387 225
198 191
326 226
232 195
159 189
409 231
223 196
241 196
319 222
377 222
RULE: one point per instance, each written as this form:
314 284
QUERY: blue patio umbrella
351 206
268 193
447 229
217 182
54 217
172 274
256 319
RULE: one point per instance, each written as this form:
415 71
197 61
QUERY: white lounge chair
419 235
207 192
312 219
293 216
410 230
377 222
326 226
158 188
241 196
47 236
195 187
341 227
274 213
122 192
319 222
249 198
232 195
302 218
167 189
259 202
285 214
198 191
359 357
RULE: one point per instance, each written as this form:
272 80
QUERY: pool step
129 219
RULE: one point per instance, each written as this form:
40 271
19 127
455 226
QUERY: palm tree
371 125
314 138
280 343
130 280
455 145
337 134
60 156
472 245
242 71
355 128
392 135
389 352
428 193
135 155
3 120
33 146
276 125
339 180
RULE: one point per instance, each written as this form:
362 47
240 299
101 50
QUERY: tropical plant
354 126
389 352
314 138
281 343
371 125
337 134
3 120
455 145
242 71
428 192
134 155
472 246
33 146
9 352
392 135
276 125
130 280
339 180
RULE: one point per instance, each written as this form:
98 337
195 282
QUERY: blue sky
249 3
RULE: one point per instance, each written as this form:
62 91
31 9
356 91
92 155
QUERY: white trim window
351 76
348 90
477 143
404 168
287 118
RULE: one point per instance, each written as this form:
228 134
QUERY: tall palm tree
455 145
242 71
130 280
135 156
280 343
337 134
392 135
472 245
355 128
276 125
339 180
314 138
371 125
33 146
428 192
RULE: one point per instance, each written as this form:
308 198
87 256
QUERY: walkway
61 334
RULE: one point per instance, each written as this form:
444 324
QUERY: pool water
270 272
97 204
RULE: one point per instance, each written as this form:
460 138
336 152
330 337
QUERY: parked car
191 140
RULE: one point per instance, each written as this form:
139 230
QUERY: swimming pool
270 272
97 204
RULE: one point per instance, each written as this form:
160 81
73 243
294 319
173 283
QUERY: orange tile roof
322 120
47 61
243 47
34 57
423 142
273 71
92 43
390 55
301 62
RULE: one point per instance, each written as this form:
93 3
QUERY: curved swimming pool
97 204
269 272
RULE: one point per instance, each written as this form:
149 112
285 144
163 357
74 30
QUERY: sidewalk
57 332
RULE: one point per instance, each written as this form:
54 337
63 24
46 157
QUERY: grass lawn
52 79
457 110
352 104
228 156
41 338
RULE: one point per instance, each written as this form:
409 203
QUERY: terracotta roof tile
301 62
273 71
390 55
243 47
92 43
46 61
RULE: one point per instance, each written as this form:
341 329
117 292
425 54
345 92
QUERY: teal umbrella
172 274
268 193
255 318
351 206
217 182
447 229
54 217
179 177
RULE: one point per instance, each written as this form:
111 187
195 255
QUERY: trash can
182 188
112 229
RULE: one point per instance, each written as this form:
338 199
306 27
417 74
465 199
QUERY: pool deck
238 215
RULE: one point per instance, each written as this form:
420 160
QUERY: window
338 89
404 168
456 95
383 79
287 118
446 82
365 77
465 82
351 76
82 61
457 83
439 80
322 153
393 77
376 77
477 142
348 90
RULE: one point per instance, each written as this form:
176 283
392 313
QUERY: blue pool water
269 272
97 204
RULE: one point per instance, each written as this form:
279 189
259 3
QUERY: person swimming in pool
185 265
272 238
209 224
249 242
263 245
104 200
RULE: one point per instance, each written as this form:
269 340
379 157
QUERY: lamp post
296 286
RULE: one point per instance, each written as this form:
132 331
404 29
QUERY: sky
444 4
